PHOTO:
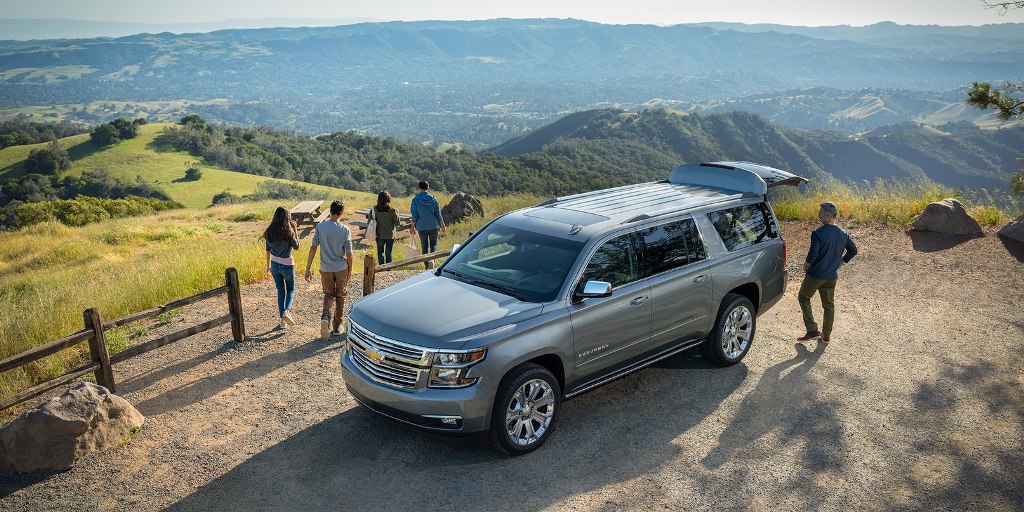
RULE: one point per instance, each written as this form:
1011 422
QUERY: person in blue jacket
831 246
426 219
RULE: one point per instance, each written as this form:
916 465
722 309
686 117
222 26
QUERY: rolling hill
161 166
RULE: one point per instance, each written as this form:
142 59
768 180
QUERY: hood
433 311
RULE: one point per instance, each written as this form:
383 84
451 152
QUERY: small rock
52 436
946 216
1014 230
460 207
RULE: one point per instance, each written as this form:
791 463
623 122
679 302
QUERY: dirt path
918 403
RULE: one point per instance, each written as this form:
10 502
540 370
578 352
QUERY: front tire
734 331
525 409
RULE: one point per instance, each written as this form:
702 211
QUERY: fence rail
94 333
370 267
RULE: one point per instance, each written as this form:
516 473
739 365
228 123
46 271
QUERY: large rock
460 207
946 216
1014 230
52 436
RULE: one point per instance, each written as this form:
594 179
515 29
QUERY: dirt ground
918 403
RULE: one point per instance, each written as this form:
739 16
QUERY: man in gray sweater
335 268
831 246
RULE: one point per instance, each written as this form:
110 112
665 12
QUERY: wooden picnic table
306 212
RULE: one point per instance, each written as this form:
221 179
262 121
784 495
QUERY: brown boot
810 336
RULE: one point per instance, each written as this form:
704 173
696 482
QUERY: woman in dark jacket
282 237
387 221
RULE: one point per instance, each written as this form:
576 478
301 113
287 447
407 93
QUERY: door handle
700 279
638 300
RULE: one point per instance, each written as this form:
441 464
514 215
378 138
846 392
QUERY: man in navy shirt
831 246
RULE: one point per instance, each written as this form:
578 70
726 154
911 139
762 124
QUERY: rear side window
614 262
671 245
744 226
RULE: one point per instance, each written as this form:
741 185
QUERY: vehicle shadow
619 432
927 241
366 463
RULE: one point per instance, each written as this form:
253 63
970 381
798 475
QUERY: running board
636 367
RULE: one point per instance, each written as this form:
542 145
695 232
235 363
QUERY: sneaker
325 328
810 336
282 326
339 330
286 318
824 339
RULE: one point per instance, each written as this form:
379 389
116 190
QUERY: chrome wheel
737 331
529 414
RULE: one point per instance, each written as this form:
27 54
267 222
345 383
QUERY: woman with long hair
282 236
387 221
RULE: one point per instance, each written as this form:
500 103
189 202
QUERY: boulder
1014 230
946 216
52 436
460 207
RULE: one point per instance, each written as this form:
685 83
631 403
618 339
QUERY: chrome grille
387 362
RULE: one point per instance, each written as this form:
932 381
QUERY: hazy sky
795 12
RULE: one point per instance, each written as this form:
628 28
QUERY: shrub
49 160
192 171
84 210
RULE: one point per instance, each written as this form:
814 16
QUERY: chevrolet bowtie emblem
374 356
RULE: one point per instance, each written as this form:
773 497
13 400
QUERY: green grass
141 157
893 203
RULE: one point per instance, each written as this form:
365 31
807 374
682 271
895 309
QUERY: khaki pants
335 285
827 290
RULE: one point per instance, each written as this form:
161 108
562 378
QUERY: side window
744 226
614 262
671 245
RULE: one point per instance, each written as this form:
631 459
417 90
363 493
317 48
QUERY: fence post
235 304
98 349
369 273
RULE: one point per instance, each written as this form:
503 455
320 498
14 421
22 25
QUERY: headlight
450 368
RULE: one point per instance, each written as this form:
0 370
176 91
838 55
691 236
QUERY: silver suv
545 303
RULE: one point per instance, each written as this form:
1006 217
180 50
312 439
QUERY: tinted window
614 262
744 226
671 245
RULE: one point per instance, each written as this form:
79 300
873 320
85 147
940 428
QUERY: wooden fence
370 267
101 361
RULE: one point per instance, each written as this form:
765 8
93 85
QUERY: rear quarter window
744 226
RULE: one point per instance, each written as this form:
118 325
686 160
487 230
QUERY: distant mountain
27 29
627 143
482 82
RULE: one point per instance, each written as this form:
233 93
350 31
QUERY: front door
610 332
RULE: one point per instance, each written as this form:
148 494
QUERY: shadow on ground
1014 247
927 241
622 431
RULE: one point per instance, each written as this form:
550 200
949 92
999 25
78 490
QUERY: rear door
677 267
610 332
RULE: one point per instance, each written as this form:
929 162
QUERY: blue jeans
384 250
284 278
428 237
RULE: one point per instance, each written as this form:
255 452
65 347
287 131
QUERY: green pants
827 290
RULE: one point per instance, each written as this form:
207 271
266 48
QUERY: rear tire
525 409
734 330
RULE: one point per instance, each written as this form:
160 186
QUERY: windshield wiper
507 290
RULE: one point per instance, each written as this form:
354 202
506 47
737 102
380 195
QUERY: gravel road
918 403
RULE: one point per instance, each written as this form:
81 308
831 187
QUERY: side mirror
594 289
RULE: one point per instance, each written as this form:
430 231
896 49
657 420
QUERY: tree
1007 103
104 135
192 171
49 160
1002 7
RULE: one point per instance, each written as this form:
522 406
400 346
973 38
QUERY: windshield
528 266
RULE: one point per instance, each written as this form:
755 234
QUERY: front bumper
426 408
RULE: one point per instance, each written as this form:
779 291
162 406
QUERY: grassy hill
163 167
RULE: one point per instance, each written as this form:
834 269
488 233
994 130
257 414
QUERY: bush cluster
84 210
267 190
116 131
